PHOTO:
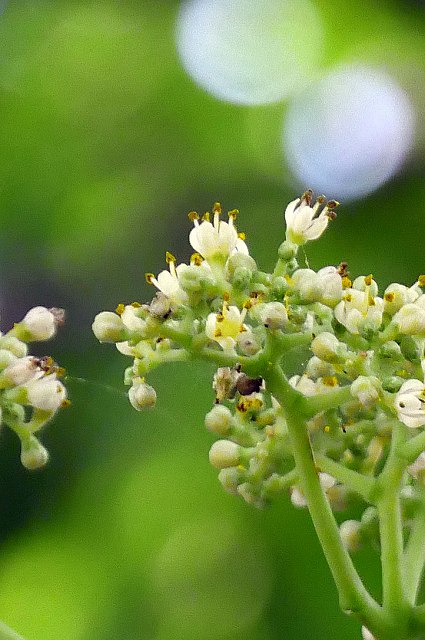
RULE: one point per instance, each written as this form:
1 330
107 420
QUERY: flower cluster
319 388
30 388
360 355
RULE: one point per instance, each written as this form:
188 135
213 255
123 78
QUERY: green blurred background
105 144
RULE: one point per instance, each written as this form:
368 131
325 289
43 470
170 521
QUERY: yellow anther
421 281
120 308
233 213
368 280
60 372
326 429
216 208
346 282
330 381
206 216
371 301
240 467
348 297
247 304
66 403
169 257
389 297
242 236
149 277
220 317
217 333
136 305
193 215
196 259
226 296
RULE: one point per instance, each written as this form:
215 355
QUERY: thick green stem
414 555
413 448
6 633
353 595
391 528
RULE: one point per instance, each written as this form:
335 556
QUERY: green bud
240 260
287 251
241 278
219 420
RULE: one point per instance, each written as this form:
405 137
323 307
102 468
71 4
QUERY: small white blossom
247 343
168 281
325 286
130 316
21 371
304 385
358 310
39 324
225 327
141 395
410 404
304 222
417 468
218 240
224 453
108 327
396 295
46 393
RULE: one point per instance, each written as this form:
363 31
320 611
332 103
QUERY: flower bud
287 250
224 453
247 343
230 478
240 261
350 534
396 295
273 315
366 283
317 368
366 390
33 454
108 327
46 393
141 395
6 358
39 324
328 348
410 320
219 420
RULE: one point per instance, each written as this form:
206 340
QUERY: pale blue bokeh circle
350 132
250 51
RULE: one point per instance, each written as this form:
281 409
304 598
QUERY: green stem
413 448
414 555
328 400
360 484
6 633
391 527
353 595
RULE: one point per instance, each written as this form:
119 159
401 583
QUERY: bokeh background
108 136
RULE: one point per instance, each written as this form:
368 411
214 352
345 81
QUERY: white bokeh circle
250 51
350 132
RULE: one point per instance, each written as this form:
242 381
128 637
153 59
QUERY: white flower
130 316
359 311
396 295
168 281
327 347
417 468
21 371
325 286
108 327
410 319
141 395
217 240
224 453
46 393
39 324
410 404
225 327
272 314
303 222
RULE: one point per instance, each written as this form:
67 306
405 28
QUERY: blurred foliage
105 145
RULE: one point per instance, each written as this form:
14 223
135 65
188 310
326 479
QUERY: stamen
136 305
233 214
206 216
368 280
149 277
196 259
389 297
216 208
193 216
346 282
169 257
242 236
421 281
120 308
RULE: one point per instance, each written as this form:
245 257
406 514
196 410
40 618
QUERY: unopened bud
366 390
219 420
247 343
39 324
410 320
224 453
273 315
141 395
349 532
327 347
33 454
